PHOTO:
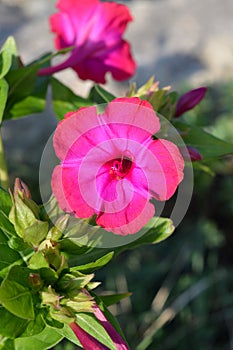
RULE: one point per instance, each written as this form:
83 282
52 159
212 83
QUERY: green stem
4 178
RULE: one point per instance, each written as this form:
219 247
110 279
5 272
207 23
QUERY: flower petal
164 170
80 14
134 113
66 190
64 38
131 219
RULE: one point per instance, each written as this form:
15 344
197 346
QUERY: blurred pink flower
189 100
111 166
95 31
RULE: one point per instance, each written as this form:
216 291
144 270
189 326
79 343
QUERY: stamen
120 167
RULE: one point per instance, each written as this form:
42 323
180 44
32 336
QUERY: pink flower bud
189 100
116 338
20 186
190 153
88 342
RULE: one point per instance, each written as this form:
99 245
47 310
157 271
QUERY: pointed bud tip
21 187
189 100
191 154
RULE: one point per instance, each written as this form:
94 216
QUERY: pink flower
111 166
95 31
189 100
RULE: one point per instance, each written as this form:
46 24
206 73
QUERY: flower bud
88 342
189 100
35 281
21 187
119 343
190 154
114 335
25 215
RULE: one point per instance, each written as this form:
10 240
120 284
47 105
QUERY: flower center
120 167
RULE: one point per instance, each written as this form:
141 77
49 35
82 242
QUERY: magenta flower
189 100
111 166
95 31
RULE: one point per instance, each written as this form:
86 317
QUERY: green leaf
64 100
38 261
8 56
5 201
145 88
79 303
21 216
20 274
6 225
67 333
48 338
16 299
15 325
100 95
51 210
48 275
8 344
73 242
27 92
75 281
91 325
28 105
109 300
208 145
5 63
17 243
203 167
95 265
157 230
15 296
167 109
34 327
3 97
157 99
36 233
8 256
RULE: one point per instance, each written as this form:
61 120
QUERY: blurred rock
183 40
